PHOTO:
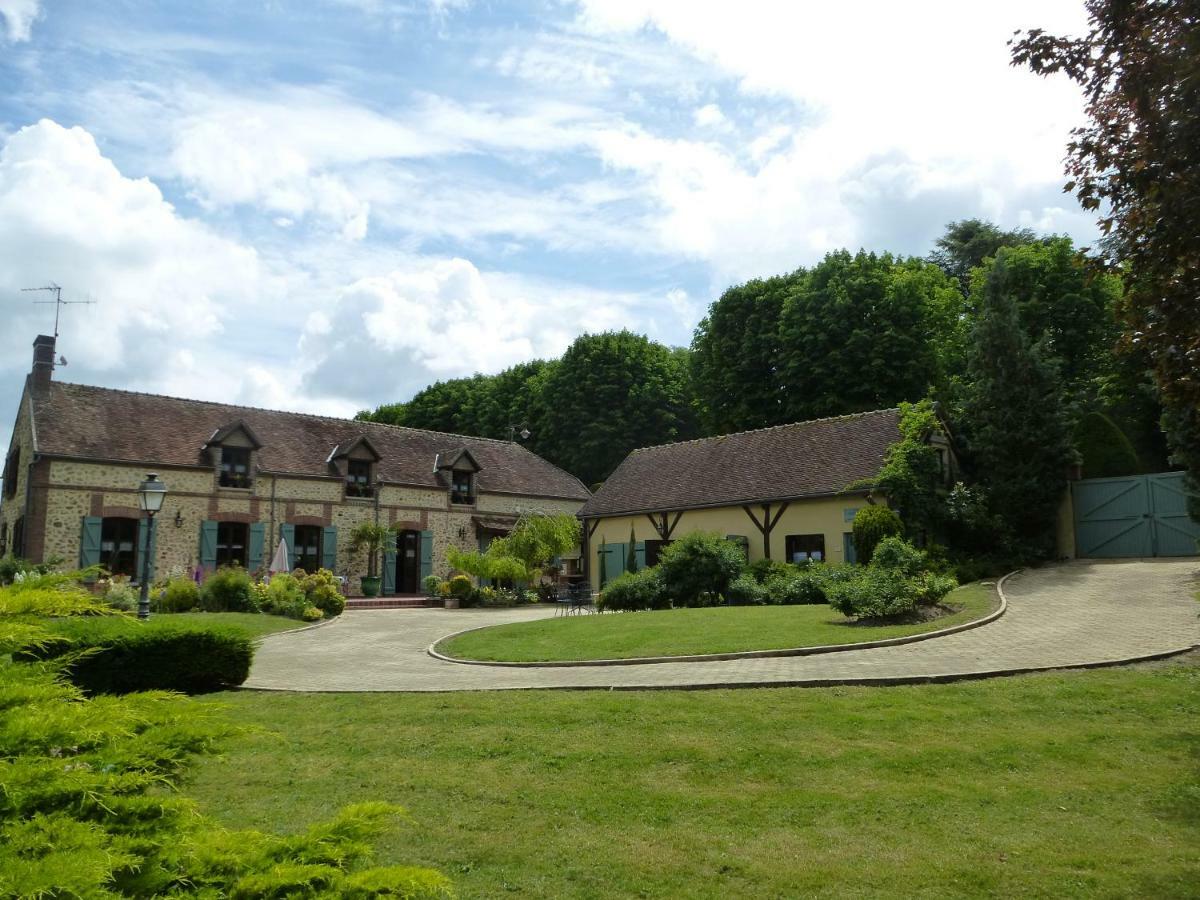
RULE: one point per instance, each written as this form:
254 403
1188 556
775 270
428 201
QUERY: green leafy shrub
322 590
126 655
461 587
633 591
178 595
899 555
871 525
745 590
11 565
120 594
430 584
797 586
228 590
931 588
285 597
698 568
763 570
875 593
311 614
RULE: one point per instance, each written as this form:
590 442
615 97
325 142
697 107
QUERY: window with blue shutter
89 541
426 555
329 548
254 553
208 546
389 568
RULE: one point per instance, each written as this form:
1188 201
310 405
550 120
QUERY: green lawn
1071 784
257 624
680 632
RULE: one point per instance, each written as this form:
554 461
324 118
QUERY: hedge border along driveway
1072 615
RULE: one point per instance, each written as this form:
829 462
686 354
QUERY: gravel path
1063 616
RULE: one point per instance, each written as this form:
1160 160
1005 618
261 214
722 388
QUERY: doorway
408 561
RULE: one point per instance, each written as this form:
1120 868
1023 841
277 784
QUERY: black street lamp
151 494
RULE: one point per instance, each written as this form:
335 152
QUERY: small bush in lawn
763 570
322 590
746 591
899 555
634 591
871 525
126 655
875 593
119 594
932 588
802 585
285 597
698 568
228 590
178 595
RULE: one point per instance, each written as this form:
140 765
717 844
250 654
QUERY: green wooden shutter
287 533
329 548
389 568
143 533
89 541
254 553
208 546
849 553
426 554
640 550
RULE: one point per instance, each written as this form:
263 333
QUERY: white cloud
709 116
19 16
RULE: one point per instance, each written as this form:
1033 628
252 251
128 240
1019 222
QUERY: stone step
386 603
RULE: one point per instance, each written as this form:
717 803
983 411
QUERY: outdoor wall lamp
178 519
150 494
462 532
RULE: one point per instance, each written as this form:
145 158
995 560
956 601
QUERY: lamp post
524 432
151 494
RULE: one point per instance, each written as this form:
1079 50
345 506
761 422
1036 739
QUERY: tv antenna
58 301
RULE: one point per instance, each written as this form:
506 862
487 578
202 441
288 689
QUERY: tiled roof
806 459
79 421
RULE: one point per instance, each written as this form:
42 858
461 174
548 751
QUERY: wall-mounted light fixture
178 519
462 532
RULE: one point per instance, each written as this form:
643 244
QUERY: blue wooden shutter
143 533
389 568
254 552
426 554
287 533
89 541
329 548
640 550
848 551
208 546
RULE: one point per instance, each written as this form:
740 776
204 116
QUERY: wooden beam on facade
674 522
753 518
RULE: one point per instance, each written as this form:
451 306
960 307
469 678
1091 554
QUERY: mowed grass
256 624
1073 784
683 632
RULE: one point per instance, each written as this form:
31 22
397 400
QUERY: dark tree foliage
966 244
609 394
1105 450
1014 419
1064 304
735 357
387 414
865 332
1137 162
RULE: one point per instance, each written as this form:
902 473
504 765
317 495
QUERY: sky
329 204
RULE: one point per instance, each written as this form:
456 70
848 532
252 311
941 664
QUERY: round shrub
871 525
875 593
119 594
311 614
932 588
179 595
430 583
797 586
285 597
763 570
461 587
635 590
746 591
698 568
322 590
899 555
228 590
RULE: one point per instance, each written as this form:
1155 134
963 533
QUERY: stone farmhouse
241 478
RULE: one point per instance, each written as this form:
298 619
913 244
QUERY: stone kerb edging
717 657
321 624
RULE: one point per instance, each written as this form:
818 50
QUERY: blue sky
328 205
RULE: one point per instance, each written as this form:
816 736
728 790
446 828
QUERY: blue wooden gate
1135 515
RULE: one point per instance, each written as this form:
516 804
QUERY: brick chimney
43 360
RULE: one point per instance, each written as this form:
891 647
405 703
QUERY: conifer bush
871 525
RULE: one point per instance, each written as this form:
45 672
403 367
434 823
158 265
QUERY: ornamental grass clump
90 806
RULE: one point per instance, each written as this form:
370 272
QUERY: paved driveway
1075 614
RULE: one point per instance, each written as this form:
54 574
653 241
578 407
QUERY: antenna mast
58 301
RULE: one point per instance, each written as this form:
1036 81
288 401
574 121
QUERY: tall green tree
735 357
1137 163
609 394
1014 419
867 331
1064 304
967 243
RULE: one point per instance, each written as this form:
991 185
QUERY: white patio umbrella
279 562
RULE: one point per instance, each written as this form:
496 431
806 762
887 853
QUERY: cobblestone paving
1075 614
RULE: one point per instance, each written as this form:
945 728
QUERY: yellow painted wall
825 516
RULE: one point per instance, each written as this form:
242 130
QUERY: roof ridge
713 437
286 412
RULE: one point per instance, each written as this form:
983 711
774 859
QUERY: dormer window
462 487
358 478
235 467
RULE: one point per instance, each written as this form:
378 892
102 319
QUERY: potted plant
375 540
430 584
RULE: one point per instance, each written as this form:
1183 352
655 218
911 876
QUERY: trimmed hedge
128 655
